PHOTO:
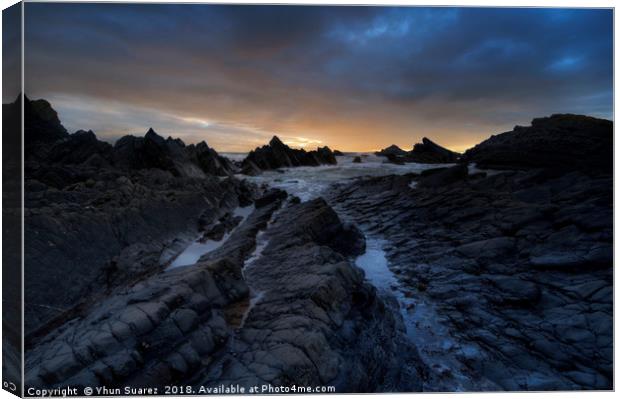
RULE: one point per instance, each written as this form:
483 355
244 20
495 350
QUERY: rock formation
43 124
78 148
279 155
153 151
209 160
562 141
98 216
424 152
392 150
299 313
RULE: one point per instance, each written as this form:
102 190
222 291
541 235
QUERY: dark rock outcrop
105 232
392 150
357 159
153 151
43 124
279 155
430 152
54 152
98 217
324 155
209 160
424 152
80 147
441 177
561 141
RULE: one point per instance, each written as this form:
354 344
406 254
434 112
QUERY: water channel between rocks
422 322
424 326
196 249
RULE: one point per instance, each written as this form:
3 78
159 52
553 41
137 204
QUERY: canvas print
307 199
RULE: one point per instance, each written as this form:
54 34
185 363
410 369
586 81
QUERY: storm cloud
353 78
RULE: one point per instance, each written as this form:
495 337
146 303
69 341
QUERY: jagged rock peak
278 155
177 141
152 134
425 152
41 123
275 141
43 110
393 149
428 145
203 144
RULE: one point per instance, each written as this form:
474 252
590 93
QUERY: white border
471 3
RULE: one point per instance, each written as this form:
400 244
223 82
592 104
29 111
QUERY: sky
352 78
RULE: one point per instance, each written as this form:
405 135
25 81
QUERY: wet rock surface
518 266
99 216
92 236
278 155
315 321
149 333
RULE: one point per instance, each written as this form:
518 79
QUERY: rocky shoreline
322 326
524 283
517 265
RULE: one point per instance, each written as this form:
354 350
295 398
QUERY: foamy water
235 156
310 182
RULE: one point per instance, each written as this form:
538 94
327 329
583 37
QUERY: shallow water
375 266
197 249
424 326
256 294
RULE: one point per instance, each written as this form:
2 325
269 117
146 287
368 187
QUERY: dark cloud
352 77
